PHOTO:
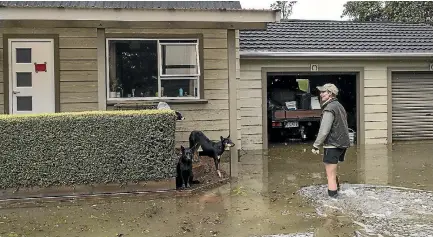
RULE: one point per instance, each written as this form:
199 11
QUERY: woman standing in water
333 134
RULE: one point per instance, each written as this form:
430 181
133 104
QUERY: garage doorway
293 104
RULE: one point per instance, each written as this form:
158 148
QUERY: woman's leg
331 174
331 158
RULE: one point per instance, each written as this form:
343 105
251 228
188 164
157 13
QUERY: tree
406 11
285 7
398 11
364 11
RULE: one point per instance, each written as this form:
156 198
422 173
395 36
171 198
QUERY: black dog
179 116
184 177
210 148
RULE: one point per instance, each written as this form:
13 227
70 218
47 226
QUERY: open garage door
412 106
293 109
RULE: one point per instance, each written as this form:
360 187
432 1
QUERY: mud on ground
204 172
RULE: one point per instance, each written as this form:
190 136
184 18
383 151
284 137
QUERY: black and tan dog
210 148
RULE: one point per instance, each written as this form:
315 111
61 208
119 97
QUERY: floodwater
279 192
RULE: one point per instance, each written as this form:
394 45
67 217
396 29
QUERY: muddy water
264 201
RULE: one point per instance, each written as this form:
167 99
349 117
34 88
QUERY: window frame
160 45
199 76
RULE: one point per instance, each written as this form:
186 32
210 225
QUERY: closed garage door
412 106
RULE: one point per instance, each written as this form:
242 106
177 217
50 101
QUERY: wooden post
231 55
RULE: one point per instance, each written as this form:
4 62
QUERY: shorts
334 155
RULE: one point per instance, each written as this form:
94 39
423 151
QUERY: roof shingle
202 5
339 36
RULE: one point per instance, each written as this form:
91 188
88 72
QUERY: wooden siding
1 73
78 66
1 77
213 117
375 94
79 78
250 101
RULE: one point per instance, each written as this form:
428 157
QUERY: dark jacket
333 130
339 134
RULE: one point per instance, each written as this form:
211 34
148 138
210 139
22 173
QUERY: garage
412 106
293 111
383 69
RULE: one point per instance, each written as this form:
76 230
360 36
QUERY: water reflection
374 164
412 165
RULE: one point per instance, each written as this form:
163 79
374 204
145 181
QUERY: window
145 69
24 55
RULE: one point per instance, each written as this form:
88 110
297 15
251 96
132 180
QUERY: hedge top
126 113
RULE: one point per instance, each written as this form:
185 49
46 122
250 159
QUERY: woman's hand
315 150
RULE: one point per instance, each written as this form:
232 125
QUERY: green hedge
86 148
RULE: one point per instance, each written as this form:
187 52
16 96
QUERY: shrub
86 148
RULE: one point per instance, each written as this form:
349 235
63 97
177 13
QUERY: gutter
141 15
251 54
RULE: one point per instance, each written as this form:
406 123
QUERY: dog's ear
182 149
228 136
221 137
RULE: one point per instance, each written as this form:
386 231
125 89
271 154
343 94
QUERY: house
63 56
388 66
81 55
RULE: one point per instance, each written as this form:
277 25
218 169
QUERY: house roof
120 14
202 5
321 37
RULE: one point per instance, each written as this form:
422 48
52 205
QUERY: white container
291 105
113 94
352 136
315 104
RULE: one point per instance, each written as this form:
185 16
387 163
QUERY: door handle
15 92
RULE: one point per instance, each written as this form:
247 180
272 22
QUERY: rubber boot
332 193
338 184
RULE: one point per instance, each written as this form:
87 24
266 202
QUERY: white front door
31 76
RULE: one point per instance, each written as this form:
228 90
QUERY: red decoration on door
41 67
